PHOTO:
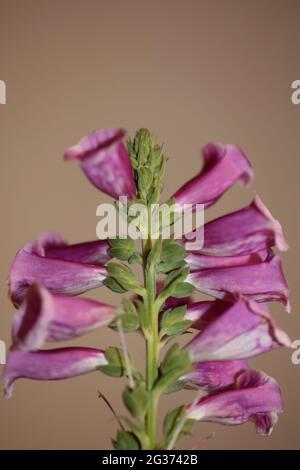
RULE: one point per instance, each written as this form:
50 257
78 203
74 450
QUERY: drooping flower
244 232
214 375
53 364
64 271
104 160
201 261
236 330
44 317
254 397
223 166
260 281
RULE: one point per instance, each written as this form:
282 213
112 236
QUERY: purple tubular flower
223 166
235 331
105 161
261 281
59 275
200 261
243 232
45 317
54 364
214 375
255 397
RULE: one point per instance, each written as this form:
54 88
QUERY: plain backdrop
192 72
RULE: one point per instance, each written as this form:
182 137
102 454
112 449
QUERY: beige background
192 71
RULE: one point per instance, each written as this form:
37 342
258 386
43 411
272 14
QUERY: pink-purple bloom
44 317
236 330
104 160
223 166
254 397
214 375
66 270
53 364
262 281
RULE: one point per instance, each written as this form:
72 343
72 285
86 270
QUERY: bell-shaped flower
201 261
236 330
44 317
214 375
53 364
254 397
105 161
223 166
246 231
260 281
64 271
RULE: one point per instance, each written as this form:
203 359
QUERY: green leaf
113 285
125 277
183 289
154 254
168 266
175 359
126 440
173 419
121 248
173 322
136 401
116 363
135 258
172 251
130 323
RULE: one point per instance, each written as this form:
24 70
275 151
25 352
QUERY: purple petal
45 317
214 375
58 275
200 261
54 364
223 166
235 331
105 161
243 232
256 397
261 281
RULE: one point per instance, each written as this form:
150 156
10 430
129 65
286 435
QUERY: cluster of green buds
148 163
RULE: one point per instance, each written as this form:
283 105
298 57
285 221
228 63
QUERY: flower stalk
236 266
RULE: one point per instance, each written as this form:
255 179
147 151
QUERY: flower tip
280 241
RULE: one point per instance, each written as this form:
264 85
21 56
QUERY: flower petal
105 161
256 397
214 375
243 232
200 261
223 166
54 364
58 275
261 281
235 331
45 317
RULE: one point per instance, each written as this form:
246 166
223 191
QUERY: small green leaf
126 440
136 401
116 363
113 285
183 289
173 419
173 322
172 251
155 253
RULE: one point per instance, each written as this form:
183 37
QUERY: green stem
152 347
